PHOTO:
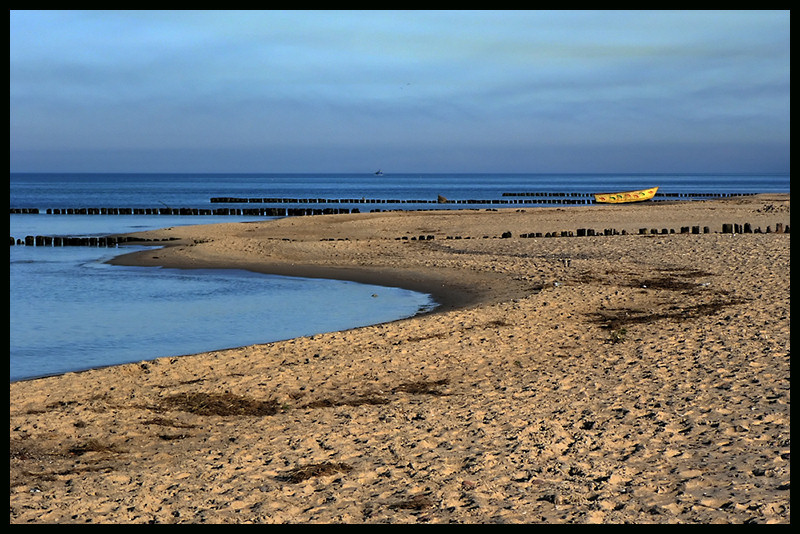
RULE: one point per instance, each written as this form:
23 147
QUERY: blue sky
406 91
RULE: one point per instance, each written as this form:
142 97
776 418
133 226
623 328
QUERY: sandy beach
626 378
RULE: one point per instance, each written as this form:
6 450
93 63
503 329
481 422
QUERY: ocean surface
71 311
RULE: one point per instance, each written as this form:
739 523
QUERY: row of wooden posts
270 211
746 228
658 195
439 200
113 241
248 212
71 241
529 198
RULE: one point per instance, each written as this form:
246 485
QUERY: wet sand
600 379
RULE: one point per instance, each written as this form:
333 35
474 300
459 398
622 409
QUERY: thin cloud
400 81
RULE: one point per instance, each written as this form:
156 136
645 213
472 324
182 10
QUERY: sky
404 91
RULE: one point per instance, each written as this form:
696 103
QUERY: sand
600 379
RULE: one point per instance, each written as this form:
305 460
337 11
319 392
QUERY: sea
71 311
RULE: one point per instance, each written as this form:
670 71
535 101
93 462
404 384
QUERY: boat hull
626 196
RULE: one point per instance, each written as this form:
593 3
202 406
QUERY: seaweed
299 474
417 502
617 319
219 404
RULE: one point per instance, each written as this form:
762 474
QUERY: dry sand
606 379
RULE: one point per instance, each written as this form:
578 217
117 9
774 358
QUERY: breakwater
440 200
114 241
509 198
84 241
291 207
658 196
262 212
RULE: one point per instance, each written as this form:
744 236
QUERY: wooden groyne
83 241
258 212
592 232
395 201
509 198
291 207
658 196
114 241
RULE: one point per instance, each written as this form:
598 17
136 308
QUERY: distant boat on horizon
379 173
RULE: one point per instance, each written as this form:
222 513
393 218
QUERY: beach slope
632 377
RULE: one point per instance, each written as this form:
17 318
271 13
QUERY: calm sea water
71 311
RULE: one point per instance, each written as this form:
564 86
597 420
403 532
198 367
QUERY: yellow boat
626 196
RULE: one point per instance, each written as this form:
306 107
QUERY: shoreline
448 294
604 379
